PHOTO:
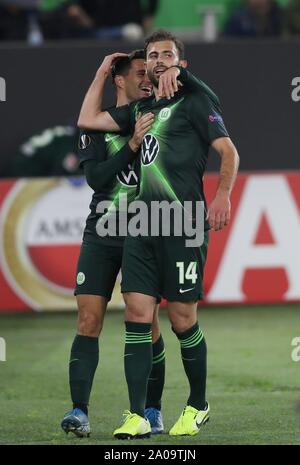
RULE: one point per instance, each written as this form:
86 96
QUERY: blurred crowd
39 20
53 151
264 18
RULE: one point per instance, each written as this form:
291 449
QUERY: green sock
157 376
83 363
193 354
138 363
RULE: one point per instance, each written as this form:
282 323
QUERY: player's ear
183 63
119 81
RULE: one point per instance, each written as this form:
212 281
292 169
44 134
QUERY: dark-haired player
187 122
108 161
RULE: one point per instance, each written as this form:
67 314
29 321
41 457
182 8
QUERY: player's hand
218 214
105 68
142 126
168 83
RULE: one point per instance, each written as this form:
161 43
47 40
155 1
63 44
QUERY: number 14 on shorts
187 274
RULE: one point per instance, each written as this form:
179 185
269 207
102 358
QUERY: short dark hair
122 65
161 35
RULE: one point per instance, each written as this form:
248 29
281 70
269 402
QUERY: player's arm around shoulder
91 115
178 76
218 214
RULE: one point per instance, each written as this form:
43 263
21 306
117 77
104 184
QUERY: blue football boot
77 422
155 419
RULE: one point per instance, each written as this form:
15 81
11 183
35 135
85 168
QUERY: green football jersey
117 173
174 152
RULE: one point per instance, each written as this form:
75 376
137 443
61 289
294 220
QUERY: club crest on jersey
128 177
84 141
80 278
164 114
150 149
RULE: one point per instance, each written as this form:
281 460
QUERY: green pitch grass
253 384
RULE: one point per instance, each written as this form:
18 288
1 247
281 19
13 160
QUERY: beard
153 79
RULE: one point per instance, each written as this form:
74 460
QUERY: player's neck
121 99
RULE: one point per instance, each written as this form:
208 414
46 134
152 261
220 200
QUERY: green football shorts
97 269
164 266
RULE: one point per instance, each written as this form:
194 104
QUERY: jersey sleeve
194 84
205 115
100 170
124 116
100 174
91 146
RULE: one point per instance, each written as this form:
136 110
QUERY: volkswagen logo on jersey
150 149
84 141
128 177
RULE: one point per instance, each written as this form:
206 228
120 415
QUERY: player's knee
182 323
182 316
137 311
89 323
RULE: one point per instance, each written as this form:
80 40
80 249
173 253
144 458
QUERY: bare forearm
92 104
219 210
228 170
